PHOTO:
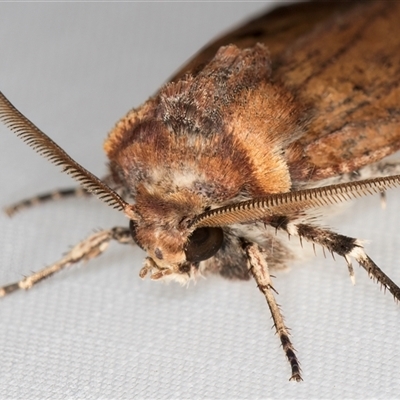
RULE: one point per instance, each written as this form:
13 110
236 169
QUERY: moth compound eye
158 253
132 229
203 244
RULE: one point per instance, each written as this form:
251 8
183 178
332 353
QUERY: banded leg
52 196
346 247
45 198
89 248
258 267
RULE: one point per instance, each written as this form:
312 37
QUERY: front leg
85 250
258 267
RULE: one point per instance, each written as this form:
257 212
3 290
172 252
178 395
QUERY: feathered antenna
291 202
37 139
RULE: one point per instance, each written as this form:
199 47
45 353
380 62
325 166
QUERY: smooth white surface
98 331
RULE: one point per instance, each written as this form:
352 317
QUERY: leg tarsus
45 198
347 247
85 250
258 267
55 195
375 272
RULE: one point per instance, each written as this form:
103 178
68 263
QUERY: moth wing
347 71
277 29
341 59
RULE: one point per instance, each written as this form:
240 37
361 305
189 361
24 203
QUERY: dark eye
203 244
132 228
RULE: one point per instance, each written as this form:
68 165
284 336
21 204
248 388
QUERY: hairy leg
346 247
85 250
258 267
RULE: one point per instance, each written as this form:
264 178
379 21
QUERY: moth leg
346 247
85 250
52 196
45 198
258 267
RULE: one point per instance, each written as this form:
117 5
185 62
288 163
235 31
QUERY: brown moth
293 111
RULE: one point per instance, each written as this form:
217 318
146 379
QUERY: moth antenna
34 137
292 202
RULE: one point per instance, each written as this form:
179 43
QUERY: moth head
175 252
174 245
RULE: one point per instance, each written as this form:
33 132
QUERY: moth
293 111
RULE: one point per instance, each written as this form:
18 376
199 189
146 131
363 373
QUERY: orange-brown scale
342 61
228 120
347 68
205 141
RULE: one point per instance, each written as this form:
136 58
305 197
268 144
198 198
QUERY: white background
99 331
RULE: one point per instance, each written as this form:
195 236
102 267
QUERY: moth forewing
245 139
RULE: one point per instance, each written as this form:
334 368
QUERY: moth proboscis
291 112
